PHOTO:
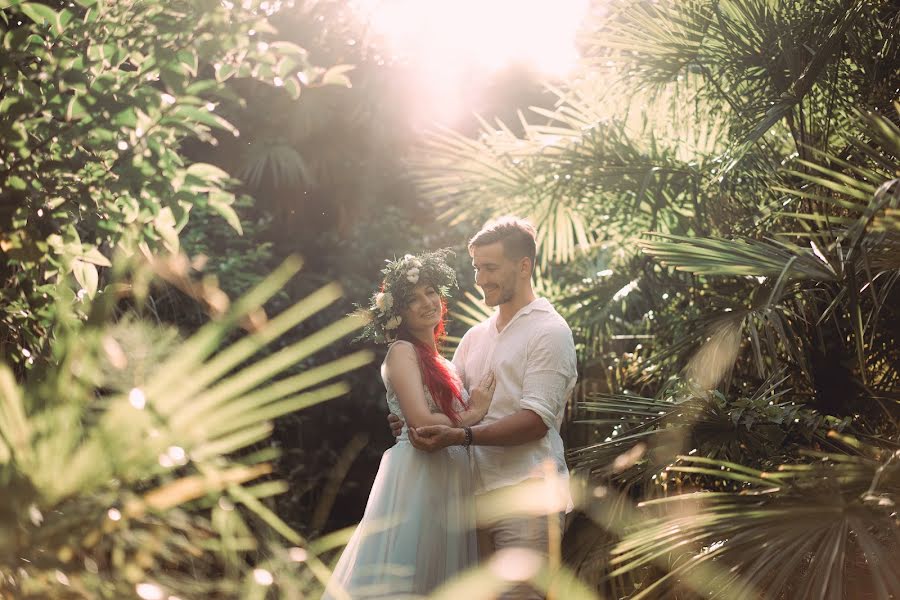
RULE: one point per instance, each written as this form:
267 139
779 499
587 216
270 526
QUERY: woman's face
424 309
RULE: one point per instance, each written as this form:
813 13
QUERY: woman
418 528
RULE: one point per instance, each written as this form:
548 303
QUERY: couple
473 427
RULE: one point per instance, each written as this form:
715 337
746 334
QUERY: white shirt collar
539 304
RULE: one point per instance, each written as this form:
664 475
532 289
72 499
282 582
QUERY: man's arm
518 428
512 430
550 368
396 424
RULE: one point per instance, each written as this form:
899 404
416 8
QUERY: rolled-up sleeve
549 374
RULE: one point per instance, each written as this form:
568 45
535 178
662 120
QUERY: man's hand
396 424
435 437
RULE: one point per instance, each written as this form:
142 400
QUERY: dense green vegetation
98 99
112 483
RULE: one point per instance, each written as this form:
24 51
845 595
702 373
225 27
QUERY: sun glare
448 42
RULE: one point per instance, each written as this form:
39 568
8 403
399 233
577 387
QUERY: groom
529 347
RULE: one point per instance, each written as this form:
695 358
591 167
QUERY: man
529 347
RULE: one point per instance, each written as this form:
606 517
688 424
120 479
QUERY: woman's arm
406 379
468 417
512 430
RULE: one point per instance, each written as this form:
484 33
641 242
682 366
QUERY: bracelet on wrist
468 439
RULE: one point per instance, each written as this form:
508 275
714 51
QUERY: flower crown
401 276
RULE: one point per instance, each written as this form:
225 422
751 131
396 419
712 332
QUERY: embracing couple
466 430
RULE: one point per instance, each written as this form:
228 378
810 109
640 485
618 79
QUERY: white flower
384 301
412 275
412 261
393 322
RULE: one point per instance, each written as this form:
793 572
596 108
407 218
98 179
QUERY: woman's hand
481 396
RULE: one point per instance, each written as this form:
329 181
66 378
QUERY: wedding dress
418 529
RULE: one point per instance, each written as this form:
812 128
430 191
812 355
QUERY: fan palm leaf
95 466
813 536
755 425
747 257
279 163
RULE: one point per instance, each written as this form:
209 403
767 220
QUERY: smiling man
530 350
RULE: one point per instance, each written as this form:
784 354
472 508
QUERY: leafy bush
97 99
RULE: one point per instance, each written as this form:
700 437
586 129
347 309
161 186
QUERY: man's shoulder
550 339
549 319
550 330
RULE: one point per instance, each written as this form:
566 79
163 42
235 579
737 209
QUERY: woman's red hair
441 383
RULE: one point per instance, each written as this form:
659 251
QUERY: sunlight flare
450 44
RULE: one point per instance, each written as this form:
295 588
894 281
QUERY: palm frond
764 421
281 164
609 183
848 196
471 312
802 85
109 454
739 257
817 541
668 39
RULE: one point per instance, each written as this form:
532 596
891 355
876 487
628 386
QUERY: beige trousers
530 532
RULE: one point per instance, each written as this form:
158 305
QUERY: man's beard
506 294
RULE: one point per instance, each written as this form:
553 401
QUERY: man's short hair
517 236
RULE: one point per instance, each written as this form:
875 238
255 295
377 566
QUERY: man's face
495 274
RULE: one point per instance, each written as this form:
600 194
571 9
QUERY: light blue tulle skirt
418 529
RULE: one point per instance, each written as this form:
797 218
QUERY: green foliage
809 519
96 101
716 196
238 262
752 429
124 469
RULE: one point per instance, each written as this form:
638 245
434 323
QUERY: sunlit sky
448 42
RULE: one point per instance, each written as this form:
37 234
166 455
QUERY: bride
418 529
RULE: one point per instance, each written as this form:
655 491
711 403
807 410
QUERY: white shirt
534 363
